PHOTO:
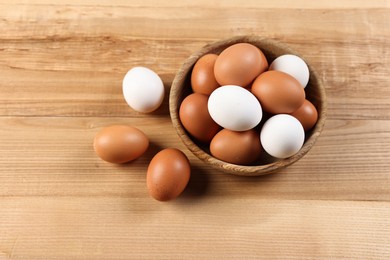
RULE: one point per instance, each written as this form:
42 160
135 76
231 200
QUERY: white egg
234 108
282 136
292 65
143 89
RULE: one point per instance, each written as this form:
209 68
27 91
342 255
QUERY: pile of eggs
169 170
241 105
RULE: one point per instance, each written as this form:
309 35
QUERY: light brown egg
168 174
120 143
241 148
202 77
306 114
239 65
278 92
196 119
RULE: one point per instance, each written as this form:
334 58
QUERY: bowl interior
181 87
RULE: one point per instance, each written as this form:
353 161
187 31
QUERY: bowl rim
176 92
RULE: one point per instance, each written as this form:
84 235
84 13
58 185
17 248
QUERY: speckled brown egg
196 118
202 77
306 114
278 92
240 148
168 174
239 65
120 143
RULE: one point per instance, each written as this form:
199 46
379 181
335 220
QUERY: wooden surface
61 67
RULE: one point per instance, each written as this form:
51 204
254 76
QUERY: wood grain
61 68
116 228
55 41
60 162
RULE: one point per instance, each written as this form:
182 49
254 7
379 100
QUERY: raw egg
234 108
143 89
306 114
196 119
239 64
294 66
168 174
282 136
278 92
236 147
120 143
202 77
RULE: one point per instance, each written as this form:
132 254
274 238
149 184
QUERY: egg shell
239 64
240 148
196 119
278 92
306 114
202 77
168 174
143 89
282 136
234 108
120 143
294 66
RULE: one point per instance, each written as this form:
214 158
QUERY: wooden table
61 69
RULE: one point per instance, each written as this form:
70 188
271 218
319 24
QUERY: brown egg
306 114
202 77
278 92
240 148
239 65
196 119
168 174
120 143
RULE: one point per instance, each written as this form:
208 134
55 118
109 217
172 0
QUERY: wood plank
120 228
49 74
63 21
276 4
46 85
54 157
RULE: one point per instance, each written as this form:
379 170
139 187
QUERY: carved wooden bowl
181 87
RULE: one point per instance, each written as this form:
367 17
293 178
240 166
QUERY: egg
168 174
234 108
202 77
306 114
282 136
239 64
240 148
196 119
278 92
120 143
143 89
294 66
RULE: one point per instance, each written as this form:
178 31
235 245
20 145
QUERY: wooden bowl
181 87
